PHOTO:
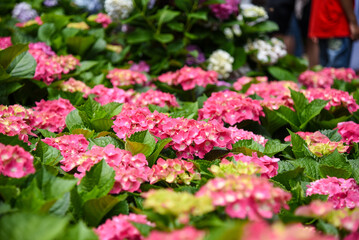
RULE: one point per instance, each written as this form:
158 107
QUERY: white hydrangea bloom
221 62
228 33
266 52
118 9
253 13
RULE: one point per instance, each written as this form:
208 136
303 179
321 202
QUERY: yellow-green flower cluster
234 168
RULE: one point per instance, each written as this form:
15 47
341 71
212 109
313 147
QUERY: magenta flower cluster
240 134
224 10
103 19
155 97
245 196
15 162
349 132
189 77
325 78
106 95
230 107
242 81
121 227
5 42
343 193
126 77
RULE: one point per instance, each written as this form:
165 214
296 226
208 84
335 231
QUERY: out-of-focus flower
5 42
155 97
73 85
242 81
230 107
15 162
120 227
101 18
119 9
50 3
194 60
114 48
245 196
106 95
23 12
240 134
185 233
226 167
78 25
343 193
225 10
37 20
189 77
266 52
142 66
125 77
253 14
349 131
221 62
232 31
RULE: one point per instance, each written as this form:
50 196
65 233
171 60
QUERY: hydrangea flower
234 30
221 62
37 20
192 60
23 12
344 74
103 19
240 134
226 167
181 234
155 97
173 171
311 79
73 85
51 114
119 9
142 66
189 77
15 162
266 52
349 132
253 14
238 85
225 10
245 196
106 95
120 227
5 42
125 77
50 3
230 107
343 193
336 98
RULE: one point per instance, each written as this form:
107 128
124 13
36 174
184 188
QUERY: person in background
354 60
333 24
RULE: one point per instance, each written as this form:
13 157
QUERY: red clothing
328 20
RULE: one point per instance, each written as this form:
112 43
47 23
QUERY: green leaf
45 32
31 226
23 66
298 145
327 228
240 57
13 141
164 37
80 232
79 44
355 166
273 147
272 122
97 182
113 109
289 116
267 26
281 74
176 26
300 101
311 110
141 142
216 153
74 120
333 135
139 36
285 176
104 141
31 198
9 54
9 192
159 146
47 154
144 229
95 209
184 5
103 124
247 147
311 167
166 15
201 15
335 165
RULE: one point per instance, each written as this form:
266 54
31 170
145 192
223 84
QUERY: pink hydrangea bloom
352 236
225 10
261 230
349 132
173 170
142 66
186 233
238 85
16 120
120 227
268 165
344 74
106 95
316 208
5 42
15 162
189 77
155 97
51 114
103 19
336 98
126 77
240 134
230 107
245 196
311 79
73 85
341 192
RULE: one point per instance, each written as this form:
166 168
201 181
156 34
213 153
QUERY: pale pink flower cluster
106 95
51 114
73 85
126 77
240 134
230 107
316 208
189 137
16 120
268 166
274 94
319 144
5 42
103 19
343 193
155 97
120 227
245 196
238 85
15 162
336 98
311 79
344 74
349 132
130 170
225 10
174 171
189 77
261 230
186 233
50 66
